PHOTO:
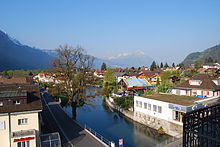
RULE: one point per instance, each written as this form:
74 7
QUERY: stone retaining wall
150 121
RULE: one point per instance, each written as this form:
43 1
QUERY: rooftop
33 97
8 94
207 83
16 80
137 82
175 99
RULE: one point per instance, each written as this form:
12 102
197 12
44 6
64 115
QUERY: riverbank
150 121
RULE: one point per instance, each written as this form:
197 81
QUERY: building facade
168 115
20 105
201 85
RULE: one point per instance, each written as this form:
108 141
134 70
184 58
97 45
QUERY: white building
211 65
44 77
167 110
19 115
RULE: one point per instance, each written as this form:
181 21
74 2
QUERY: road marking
68 141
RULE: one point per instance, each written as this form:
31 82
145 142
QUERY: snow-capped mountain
134 59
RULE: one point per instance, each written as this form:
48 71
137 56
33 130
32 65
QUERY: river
99 117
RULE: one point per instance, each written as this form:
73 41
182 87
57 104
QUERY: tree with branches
73 64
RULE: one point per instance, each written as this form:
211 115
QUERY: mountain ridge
14 55
213 52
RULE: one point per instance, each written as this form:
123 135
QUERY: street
56 120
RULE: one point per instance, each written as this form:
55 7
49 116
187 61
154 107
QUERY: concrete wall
170 128
4 132
151 121
166 113
32 123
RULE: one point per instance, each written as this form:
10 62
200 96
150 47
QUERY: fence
50 140
99 136
177 141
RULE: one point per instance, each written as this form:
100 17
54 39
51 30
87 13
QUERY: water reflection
112 126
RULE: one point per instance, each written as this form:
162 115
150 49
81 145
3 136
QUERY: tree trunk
73 110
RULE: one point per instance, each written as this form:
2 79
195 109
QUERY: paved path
70 132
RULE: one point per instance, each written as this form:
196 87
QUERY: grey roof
8 94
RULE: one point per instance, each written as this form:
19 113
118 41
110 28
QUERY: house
202 85
119 76
45 77
151 76
167 111
130 75
134 84
211 65
99 73
20 105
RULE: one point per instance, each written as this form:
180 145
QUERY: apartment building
20 105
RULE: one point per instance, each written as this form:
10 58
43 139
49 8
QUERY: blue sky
166 30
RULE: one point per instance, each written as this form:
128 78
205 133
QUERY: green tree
190 73
180 65
153 66
158 82
166 65
73 65
109 82
164 86
166 75
209 60
103 67
198 64
161 65
173 65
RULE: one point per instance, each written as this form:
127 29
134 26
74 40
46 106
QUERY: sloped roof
207 83
16 80
137 82
33 98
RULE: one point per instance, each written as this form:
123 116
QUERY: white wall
167 113
33 123
4 133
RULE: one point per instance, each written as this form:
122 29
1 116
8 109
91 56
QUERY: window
2 125
159 109
154 108
22 121
178 116
137 103
16 102
1 103
23 144
145 105
149 106
140 104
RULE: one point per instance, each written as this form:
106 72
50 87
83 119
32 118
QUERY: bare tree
73 65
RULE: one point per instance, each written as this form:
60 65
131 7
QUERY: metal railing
99 136
172 140
50 140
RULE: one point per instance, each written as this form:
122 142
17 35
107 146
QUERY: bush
125 102
161 131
